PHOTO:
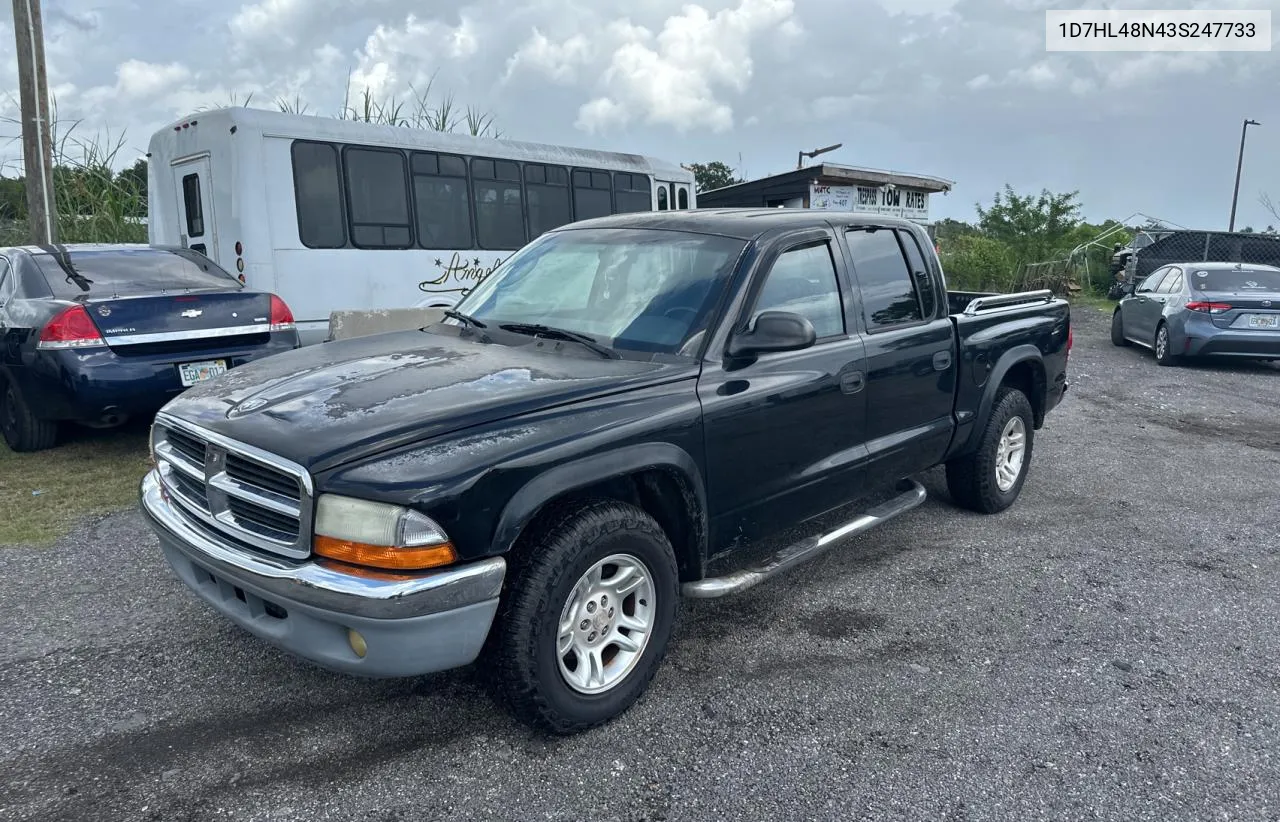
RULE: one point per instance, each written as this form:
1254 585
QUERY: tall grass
95 204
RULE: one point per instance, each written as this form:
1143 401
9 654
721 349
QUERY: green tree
133 180
1033 226
708 176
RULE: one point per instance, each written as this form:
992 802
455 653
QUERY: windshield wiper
468 320
552 332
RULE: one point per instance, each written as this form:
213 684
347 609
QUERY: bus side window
499 203
317 192
547 191
631 192
442 201
377 191
683 197
592 194
662 197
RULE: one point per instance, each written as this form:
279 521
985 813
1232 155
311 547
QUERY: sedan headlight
379 535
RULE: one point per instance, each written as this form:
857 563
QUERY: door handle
942 361
851 382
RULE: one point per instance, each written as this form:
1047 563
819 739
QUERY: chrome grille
248 494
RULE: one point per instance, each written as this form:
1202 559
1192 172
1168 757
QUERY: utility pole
37 143
1244 130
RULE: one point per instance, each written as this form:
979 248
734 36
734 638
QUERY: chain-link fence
1171 247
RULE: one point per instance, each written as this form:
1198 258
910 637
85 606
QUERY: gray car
1203 309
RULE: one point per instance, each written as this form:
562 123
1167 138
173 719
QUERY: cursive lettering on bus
459 269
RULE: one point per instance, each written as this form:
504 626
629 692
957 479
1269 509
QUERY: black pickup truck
629 410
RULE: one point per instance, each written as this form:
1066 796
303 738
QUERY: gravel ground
1107 649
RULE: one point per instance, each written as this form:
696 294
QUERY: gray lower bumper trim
315 585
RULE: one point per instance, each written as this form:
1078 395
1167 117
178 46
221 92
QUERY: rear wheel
23 431
990 479
586 621
1164 347
1117 329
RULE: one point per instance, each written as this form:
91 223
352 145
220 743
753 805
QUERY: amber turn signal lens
382 556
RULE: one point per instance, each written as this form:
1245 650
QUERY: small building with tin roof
831 187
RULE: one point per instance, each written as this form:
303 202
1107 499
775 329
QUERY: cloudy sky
961 89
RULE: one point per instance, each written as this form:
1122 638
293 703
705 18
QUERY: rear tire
1164 347
1117 330
23 430
991 478
570 650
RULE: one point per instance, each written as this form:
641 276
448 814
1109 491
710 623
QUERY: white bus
336 215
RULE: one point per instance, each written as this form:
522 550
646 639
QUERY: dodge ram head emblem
192 312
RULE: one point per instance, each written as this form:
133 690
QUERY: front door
196 228
784 432
1142 312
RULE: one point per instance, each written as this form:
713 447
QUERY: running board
913 493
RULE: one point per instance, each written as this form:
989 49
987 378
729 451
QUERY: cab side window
803 281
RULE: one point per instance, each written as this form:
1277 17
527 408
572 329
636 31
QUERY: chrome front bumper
410 626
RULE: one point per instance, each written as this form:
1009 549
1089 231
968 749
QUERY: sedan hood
325 404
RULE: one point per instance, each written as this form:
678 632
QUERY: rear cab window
75 274
889 295
1236 280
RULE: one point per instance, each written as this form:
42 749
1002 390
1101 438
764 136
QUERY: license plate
198 372
1264 321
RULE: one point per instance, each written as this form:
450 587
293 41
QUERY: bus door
196 227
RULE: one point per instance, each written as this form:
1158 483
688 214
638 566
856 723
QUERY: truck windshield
1240 280
643 290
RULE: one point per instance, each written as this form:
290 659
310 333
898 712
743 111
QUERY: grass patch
1088 299
44 495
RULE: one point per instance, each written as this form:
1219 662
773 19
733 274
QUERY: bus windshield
641 290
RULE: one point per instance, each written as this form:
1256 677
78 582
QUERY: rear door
910 350
196 226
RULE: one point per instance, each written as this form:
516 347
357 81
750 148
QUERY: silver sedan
1203 309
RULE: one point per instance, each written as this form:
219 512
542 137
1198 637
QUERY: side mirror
773 331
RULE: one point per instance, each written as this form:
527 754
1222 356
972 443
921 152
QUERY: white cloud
672 79
559 62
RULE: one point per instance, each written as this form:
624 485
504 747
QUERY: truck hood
325 404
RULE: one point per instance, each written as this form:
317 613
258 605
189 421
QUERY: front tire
587 617
1164 347
990 479
1117 330
23 430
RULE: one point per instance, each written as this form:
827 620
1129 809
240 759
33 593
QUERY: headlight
379 535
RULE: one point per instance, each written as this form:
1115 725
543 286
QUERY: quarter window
318 194
803 281
441 201
499 206
888 294
378 198
919 271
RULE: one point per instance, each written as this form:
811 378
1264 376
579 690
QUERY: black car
95 334
627 410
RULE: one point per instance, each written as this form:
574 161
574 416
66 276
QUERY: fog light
357 642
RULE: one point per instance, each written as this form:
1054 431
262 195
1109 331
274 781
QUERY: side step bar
913 493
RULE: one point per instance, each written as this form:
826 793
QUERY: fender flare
580 473
1014 356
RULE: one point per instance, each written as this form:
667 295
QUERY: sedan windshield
642 290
